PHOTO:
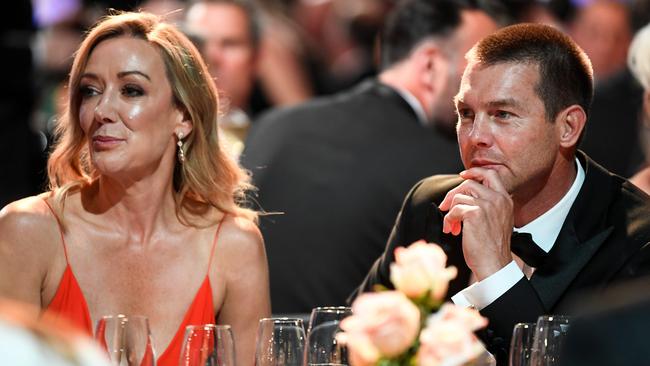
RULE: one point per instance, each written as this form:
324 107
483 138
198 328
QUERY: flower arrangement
410 326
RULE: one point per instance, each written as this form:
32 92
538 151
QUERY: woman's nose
105 109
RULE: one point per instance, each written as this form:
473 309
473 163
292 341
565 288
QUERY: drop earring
181 153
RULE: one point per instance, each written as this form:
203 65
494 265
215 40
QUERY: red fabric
70 303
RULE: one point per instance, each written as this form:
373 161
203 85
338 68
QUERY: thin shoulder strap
60 225
214 241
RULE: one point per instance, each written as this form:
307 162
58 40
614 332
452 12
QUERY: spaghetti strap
60 225
214 241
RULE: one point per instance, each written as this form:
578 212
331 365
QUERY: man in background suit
522 108
338 167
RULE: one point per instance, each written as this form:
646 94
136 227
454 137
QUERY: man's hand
482 208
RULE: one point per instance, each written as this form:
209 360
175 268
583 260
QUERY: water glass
322 347
208 345
126 339
280 342
549 337
521 343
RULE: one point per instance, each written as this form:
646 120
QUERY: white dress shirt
544 231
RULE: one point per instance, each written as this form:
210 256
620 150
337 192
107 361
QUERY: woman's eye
132 91
86 91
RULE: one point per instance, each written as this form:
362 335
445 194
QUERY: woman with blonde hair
144 214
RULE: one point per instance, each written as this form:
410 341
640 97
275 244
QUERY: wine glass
127 340
549 337
280 342
208 345
322 347
521 343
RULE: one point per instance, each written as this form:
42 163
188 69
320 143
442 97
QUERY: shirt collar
415 104
546 228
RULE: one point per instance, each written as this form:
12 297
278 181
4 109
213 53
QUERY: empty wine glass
521 343
127 340
322 347
280 342
549 337
208 345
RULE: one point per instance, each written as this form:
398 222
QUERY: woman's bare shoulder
240 244
28 221
240 234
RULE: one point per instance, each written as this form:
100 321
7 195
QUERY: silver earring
181 153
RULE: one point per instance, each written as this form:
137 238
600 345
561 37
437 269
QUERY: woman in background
143 216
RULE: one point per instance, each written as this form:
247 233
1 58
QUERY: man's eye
132 91
465 113
502 114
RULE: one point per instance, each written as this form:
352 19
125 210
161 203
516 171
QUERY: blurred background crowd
294 51
269 55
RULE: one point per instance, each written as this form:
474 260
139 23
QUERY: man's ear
431 65
570 123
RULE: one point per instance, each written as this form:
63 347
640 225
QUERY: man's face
475 25
227 47
502 126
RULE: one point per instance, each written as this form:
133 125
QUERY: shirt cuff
481 294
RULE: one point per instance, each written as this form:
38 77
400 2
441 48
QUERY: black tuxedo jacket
338 168
604 240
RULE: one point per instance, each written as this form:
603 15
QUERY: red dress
70 304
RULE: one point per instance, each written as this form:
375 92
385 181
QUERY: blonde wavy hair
210 177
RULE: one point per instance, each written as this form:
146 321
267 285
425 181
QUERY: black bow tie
524 247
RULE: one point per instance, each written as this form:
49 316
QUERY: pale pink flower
383 324
448 339
420 268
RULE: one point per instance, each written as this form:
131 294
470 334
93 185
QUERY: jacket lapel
581 236
567 258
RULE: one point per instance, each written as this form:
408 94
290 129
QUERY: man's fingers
452 222
487 177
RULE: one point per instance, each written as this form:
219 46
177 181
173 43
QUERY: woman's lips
105 142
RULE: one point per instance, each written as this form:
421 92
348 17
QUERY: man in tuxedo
534 219
338 167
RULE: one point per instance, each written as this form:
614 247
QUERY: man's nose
481 131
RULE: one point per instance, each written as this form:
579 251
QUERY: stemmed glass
208 345
280 342
322 347
521 343
126 339
550 335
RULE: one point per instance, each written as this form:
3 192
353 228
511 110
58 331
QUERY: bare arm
247 286
28 244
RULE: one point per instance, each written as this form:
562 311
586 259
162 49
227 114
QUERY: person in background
602 28
143 215
28 339
337 167
638 61
535 219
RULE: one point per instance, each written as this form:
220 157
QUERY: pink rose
448 339
420 268
383 324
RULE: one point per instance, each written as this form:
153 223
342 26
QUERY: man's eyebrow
507 102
